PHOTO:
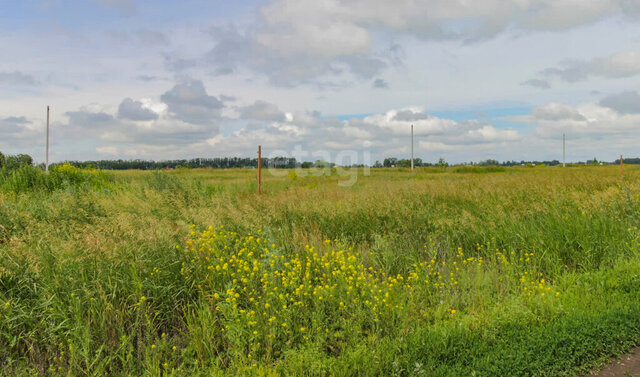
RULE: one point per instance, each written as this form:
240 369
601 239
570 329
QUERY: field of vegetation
438 272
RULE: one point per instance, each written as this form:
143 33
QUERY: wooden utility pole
259 167
46 165
412 147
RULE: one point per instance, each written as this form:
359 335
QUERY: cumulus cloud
190 102
305 135
588 121
135 110
185 116
234 51
85 124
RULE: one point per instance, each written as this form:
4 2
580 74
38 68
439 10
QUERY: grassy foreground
517 271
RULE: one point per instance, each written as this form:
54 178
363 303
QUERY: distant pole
621 165
46 165
259 167
412 147
563 152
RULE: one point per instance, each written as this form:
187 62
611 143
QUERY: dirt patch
627 366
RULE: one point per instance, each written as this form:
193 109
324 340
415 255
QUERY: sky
337 80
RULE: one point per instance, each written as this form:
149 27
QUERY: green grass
116 273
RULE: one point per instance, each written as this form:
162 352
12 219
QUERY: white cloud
589 121
135 110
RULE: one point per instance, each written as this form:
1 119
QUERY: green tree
442 163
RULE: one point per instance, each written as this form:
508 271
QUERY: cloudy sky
501 79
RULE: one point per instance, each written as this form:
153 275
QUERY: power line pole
46 166
563 152
259 167
412 147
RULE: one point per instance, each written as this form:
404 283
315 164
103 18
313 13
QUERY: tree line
216 163
15 161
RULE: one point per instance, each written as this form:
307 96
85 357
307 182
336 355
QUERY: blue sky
331 78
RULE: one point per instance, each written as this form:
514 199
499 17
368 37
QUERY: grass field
516 271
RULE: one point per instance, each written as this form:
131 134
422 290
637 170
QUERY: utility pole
412 147
259 167
621 165
46 166
563 152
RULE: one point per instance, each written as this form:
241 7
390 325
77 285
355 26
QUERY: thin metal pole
46 166
563 152
412 147
259 167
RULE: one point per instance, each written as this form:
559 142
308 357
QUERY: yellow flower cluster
259 291
263 296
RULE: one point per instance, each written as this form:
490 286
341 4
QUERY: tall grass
30 178
534 272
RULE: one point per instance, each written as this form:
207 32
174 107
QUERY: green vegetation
515 271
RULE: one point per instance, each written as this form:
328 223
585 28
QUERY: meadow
439 272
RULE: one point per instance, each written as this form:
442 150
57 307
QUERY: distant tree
14 162
489 162
442 163
404 163
390 162
2 162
